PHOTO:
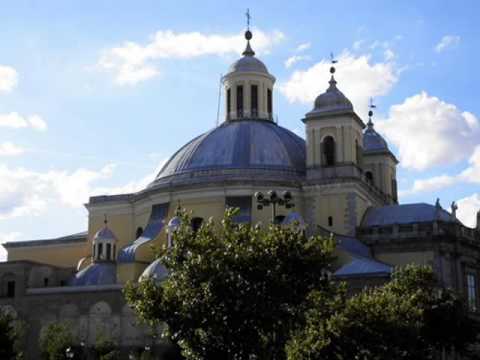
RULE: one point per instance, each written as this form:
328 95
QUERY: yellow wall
66 255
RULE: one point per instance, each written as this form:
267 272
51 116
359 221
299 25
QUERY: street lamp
273 199
69 353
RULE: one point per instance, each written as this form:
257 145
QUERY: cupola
248 87
104 244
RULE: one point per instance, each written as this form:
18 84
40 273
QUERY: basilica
341 179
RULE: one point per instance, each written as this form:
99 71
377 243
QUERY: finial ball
332 70
248 35
370 113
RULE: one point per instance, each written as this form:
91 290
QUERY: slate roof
372 140
243 144
405 214
362 266
98 273
153 228
68 239
156 271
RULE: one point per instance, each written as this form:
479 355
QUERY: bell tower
334 136
248 86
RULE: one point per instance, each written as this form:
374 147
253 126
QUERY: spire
332 82
105 220
371 105
248 36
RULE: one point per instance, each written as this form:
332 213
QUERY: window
269 102
244 203
196 223
114 251
279 219
369 177
100 251
328 151
45 282
229 102
472 291
240 101
62 282
394 190
330 221
93 251
254 102
11 289
109 251
139 232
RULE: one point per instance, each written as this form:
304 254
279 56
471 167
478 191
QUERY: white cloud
132 62
447 42
25 192
357 78
303 47
472 173
294 59
468 208
430 132
8 78
389 55
431 184
9 149
17 121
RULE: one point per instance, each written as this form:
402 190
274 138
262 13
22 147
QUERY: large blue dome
238 148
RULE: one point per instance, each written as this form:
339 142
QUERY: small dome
96 274
156 271
174 223
104 234
372 140
248 64
333 100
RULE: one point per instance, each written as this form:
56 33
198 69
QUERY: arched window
328 151
229 103
196 223
330 221
109 251
269 103
369 177
139 232
254 101
240 101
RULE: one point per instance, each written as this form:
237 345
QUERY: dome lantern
104 244
248 86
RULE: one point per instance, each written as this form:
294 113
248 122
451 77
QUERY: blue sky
95 95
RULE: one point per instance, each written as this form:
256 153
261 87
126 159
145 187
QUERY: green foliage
408 318
105 348
234 291
8 336
54 339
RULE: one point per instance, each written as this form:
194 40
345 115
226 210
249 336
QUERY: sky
96 95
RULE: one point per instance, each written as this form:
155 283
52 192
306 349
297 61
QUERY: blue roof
153 228
373 141
156 271
352 246
361 266
244 144
405 214
96 274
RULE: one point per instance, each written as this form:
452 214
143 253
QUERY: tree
54 340
8 336
408 318
105 348
234 291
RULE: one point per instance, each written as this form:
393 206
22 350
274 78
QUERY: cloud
468 208
17 121
8 78
389 55
358 78
131 62
294 59
303 47
470 175
9 149
447 42
430 132
25 192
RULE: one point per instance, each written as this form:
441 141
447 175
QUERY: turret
104 244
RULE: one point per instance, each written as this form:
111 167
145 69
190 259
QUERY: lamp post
273 199
69 353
